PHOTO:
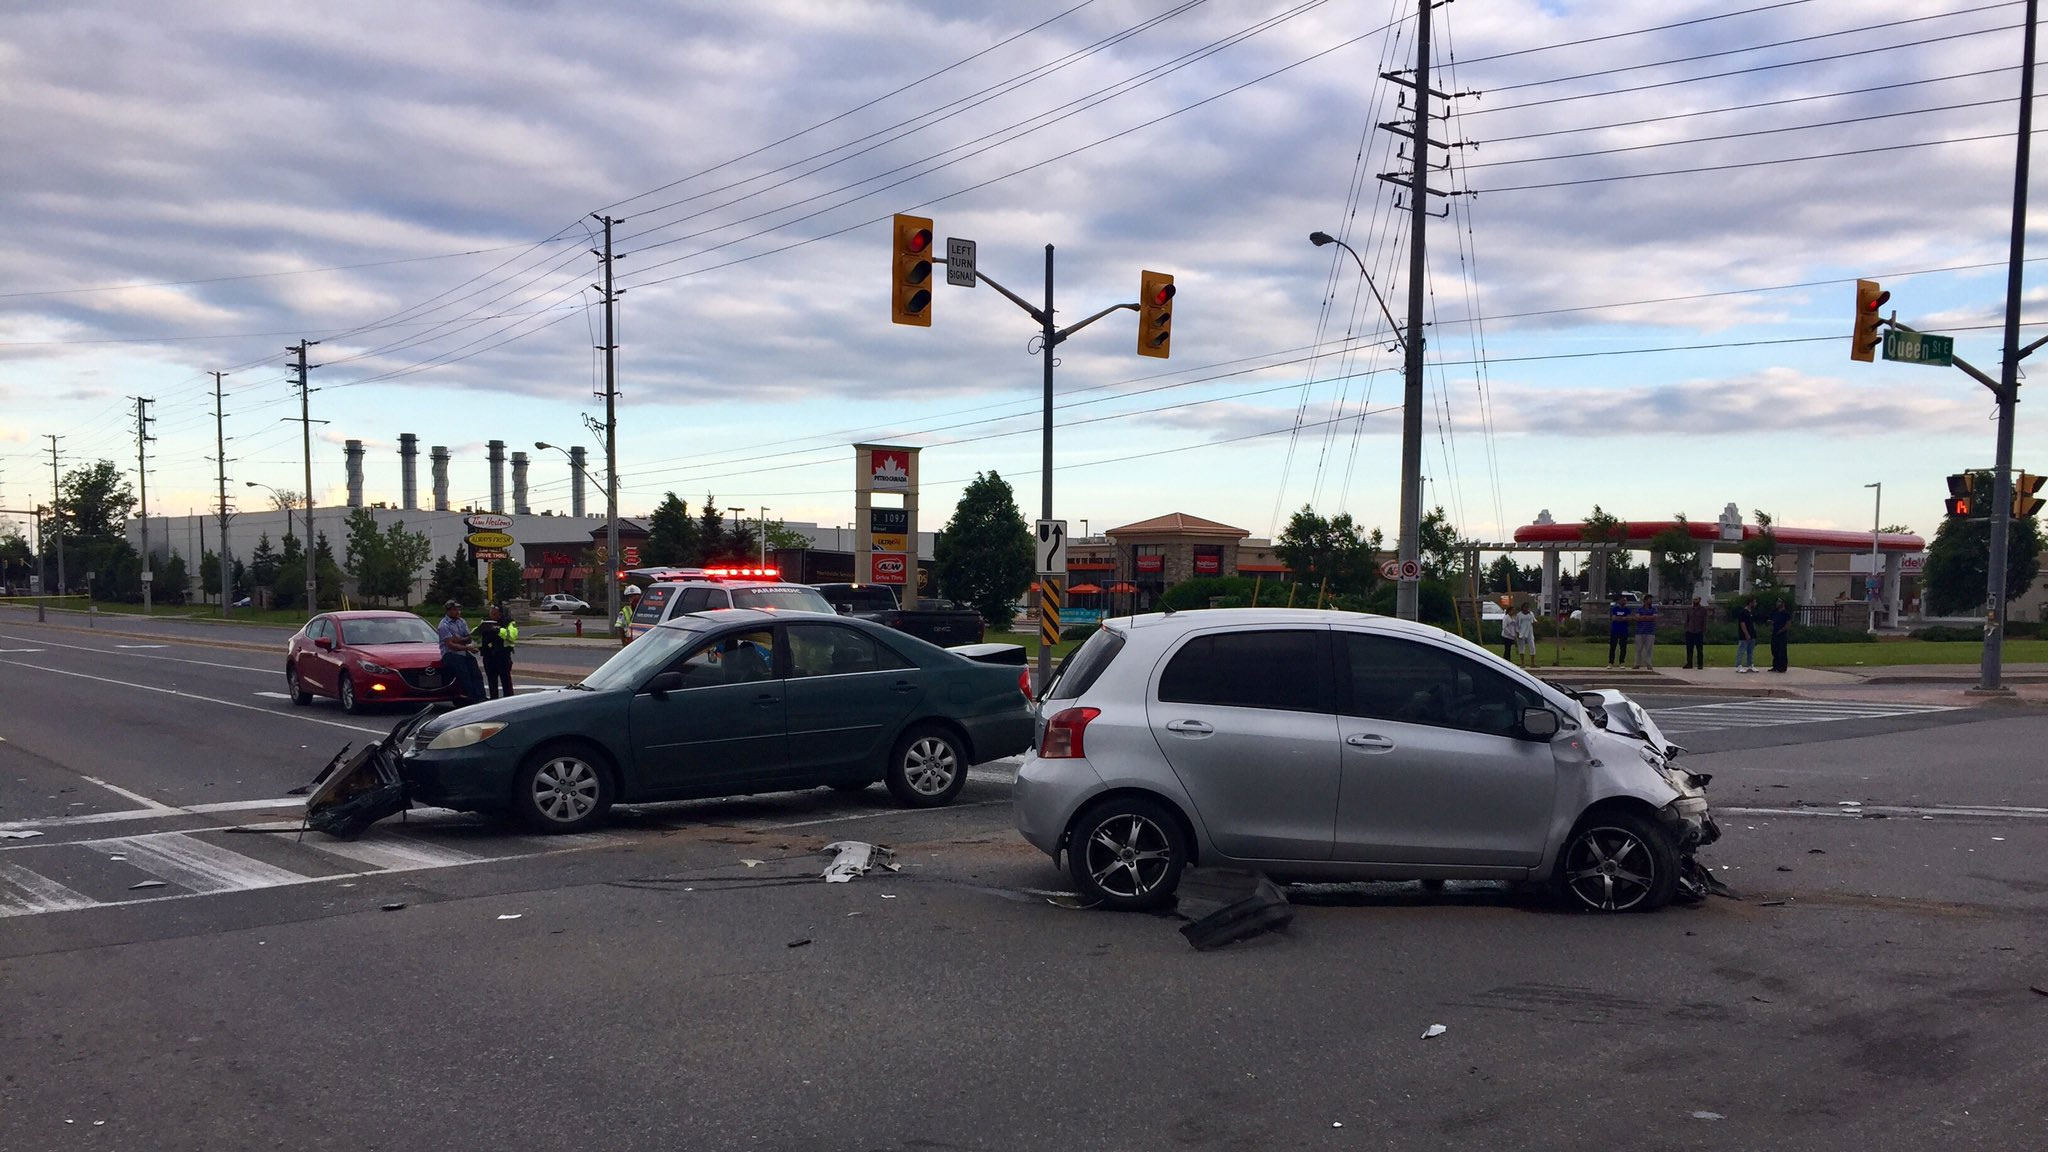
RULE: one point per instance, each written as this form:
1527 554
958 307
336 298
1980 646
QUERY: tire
562 788
1127 853
295 687
347 691
850 787
1601 868
928 767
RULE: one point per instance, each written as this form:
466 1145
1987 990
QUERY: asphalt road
647 987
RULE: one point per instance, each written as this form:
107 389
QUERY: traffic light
1155 314
2024 501
1863 343
910 272
1961 494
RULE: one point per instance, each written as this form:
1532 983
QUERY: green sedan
728 703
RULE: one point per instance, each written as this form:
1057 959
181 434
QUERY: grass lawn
1583 653
1030 642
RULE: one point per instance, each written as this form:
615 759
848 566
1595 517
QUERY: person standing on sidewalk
1617 630
1646 634
1781 636
1696 632
1745 636
495 637
1508 624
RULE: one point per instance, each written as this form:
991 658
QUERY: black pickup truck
945 627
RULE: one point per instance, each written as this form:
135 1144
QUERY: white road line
394 853
759 827
195 696
142 645
141 655
192 863
1952 811
31 894
273 695
245 805
160 812
123 793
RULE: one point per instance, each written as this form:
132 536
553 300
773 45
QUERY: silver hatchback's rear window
1084 665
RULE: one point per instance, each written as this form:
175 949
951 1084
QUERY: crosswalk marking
24 893
194 864
395 854
1770 713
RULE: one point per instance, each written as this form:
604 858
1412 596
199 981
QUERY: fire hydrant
579 627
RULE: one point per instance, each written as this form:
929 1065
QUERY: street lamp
285 505
1407 600
1876 583
764 537
611 536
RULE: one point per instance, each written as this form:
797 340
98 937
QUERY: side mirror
1539 723
323 643
663 684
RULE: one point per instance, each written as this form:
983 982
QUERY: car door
1246 719
723 729
320 668
1435 770
847 695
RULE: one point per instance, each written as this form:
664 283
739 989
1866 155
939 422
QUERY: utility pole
1991 671
57 514
611 431
306 430
142 439
220 456
1416 181
764 537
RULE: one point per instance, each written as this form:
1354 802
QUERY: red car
365 658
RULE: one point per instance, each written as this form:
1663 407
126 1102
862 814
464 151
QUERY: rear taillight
1063 734
1024 683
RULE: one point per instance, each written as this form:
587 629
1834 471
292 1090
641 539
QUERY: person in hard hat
631 599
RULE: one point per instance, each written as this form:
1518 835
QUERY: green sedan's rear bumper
998 735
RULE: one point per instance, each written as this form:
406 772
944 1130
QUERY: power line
259 275
1757 163
1635 32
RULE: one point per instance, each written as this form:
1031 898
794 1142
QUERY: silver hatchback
1316 745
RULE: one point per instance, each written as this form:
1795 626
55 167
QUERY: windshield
388 630
782 597
645 656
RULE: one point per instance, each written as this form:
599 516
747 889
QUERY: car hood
507 708
400 655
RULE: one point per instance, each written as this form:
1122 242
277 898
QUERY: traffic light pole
1049 338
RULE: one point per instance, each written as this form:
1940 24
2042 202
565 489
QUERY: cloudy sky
1645 304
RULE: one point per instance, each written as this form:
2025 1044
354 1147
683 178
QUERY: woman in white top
1525 635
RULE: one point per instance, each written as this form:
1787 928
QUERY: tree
1441 553
174 584
1504 575
508 579
17 560
1603 527
365 552
1761 551
671 535
327 575
1958 568
442 586
288 582
262 570
985 555
742 545
781 536
1676 555
286 500
209 574
240 579
1335 550
710 531
469 588
405 553
95 502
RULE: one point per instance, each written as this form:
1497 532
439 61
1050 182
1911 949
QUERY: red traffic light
921 239
1161 296
1876 302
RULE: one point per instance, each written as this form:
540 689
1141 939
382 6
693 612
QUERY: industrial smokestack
495 452
409 470
576 456
519 462
438 455
353 450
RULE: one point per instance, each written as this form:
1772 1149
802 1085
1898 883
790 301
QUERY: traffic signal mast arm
1965 366
1038 314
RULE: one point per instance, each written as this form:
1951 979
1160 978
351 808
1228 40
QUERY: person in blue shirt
1646 634
1617 630
458 653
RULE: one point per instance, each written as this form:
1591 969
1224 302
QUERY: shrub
1941 632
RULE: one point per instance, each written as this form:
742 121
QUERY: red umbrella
1085 589
1123 587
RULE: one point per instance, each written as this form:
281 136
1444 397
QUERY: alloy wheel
1128 855
929 766
565 790
1610 869
348 694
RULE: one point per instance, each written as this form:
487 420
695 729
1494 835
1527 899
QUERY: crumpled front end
1629 732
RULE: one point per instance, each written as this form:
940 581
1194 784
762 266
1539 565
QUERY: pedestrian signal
1962 491
910 272
2025 501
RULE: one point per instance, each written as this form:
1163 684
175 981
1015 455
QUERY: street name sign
1920 348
